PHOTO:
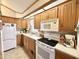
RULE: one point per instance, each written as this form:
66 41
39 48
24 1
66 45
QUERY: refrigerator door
9 36
9 32
1 42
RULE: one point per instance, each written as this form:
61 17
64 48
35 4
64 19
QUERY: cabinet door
67 16
18 39
26 43
62 55
52 13
18 23
37 21
32 49
24 23
44 15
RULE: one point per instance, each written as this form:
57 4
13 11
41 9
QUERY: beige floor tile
17 53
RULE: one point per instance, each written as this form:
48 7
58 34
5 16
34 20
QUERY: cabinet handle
32 52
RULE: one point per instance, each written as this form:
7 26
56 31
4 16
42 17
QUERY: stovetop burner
49 42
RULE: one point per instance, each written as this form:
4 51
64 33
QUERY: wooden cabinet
37 21
30 47
62 55
44 15
66 12
18 23
20 40
24 23
26 43
7 19
52 13
49 14
67 16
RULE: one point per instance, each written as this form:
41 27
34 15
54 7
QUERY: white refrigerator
9 36
1 42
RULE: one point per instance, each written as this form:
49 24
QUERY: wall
52 35
7 12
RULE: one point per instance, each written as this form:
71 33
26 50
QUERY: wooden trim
9 17
20 12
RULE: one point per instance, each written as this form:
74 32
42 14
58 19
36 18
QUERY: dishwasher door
44 52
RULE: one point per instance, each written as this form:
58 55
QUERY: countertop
71 51
35 37
31 36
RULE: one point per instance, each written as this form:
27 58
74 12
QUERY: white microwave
50 25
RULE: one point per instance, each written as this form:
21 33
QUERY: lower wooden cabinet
18 39
30 47
62 55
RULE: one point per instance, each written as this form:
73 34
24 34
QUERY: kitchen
39 29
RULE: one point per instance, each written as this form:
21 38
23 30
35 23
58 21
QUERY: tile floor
17 53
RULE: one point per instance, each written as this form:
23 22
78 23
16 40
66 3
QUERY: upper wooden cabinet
67 16
52 13
18 23
7 19
37 21
24 23
44 15
47 15
66 13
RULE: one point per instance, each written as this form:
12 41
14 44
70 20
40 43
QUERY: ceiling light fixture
54 4
37 12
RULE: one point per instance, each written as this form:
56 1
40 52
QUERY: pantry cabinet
30 47
62 55
67 16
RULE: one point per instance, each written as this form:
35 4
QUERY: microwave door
46 26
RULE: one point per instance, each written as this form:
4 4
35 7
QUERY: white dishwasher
44 51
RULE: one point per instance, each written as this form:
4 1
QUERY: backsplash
52 35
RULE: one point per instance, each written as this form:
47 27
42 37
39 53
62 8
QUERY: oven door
44 52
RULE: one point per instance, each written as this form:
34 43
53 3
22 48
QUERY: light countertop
31 36
35 37
71 51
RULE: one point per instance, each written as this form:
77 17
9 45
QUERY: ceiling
18 5
22 8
